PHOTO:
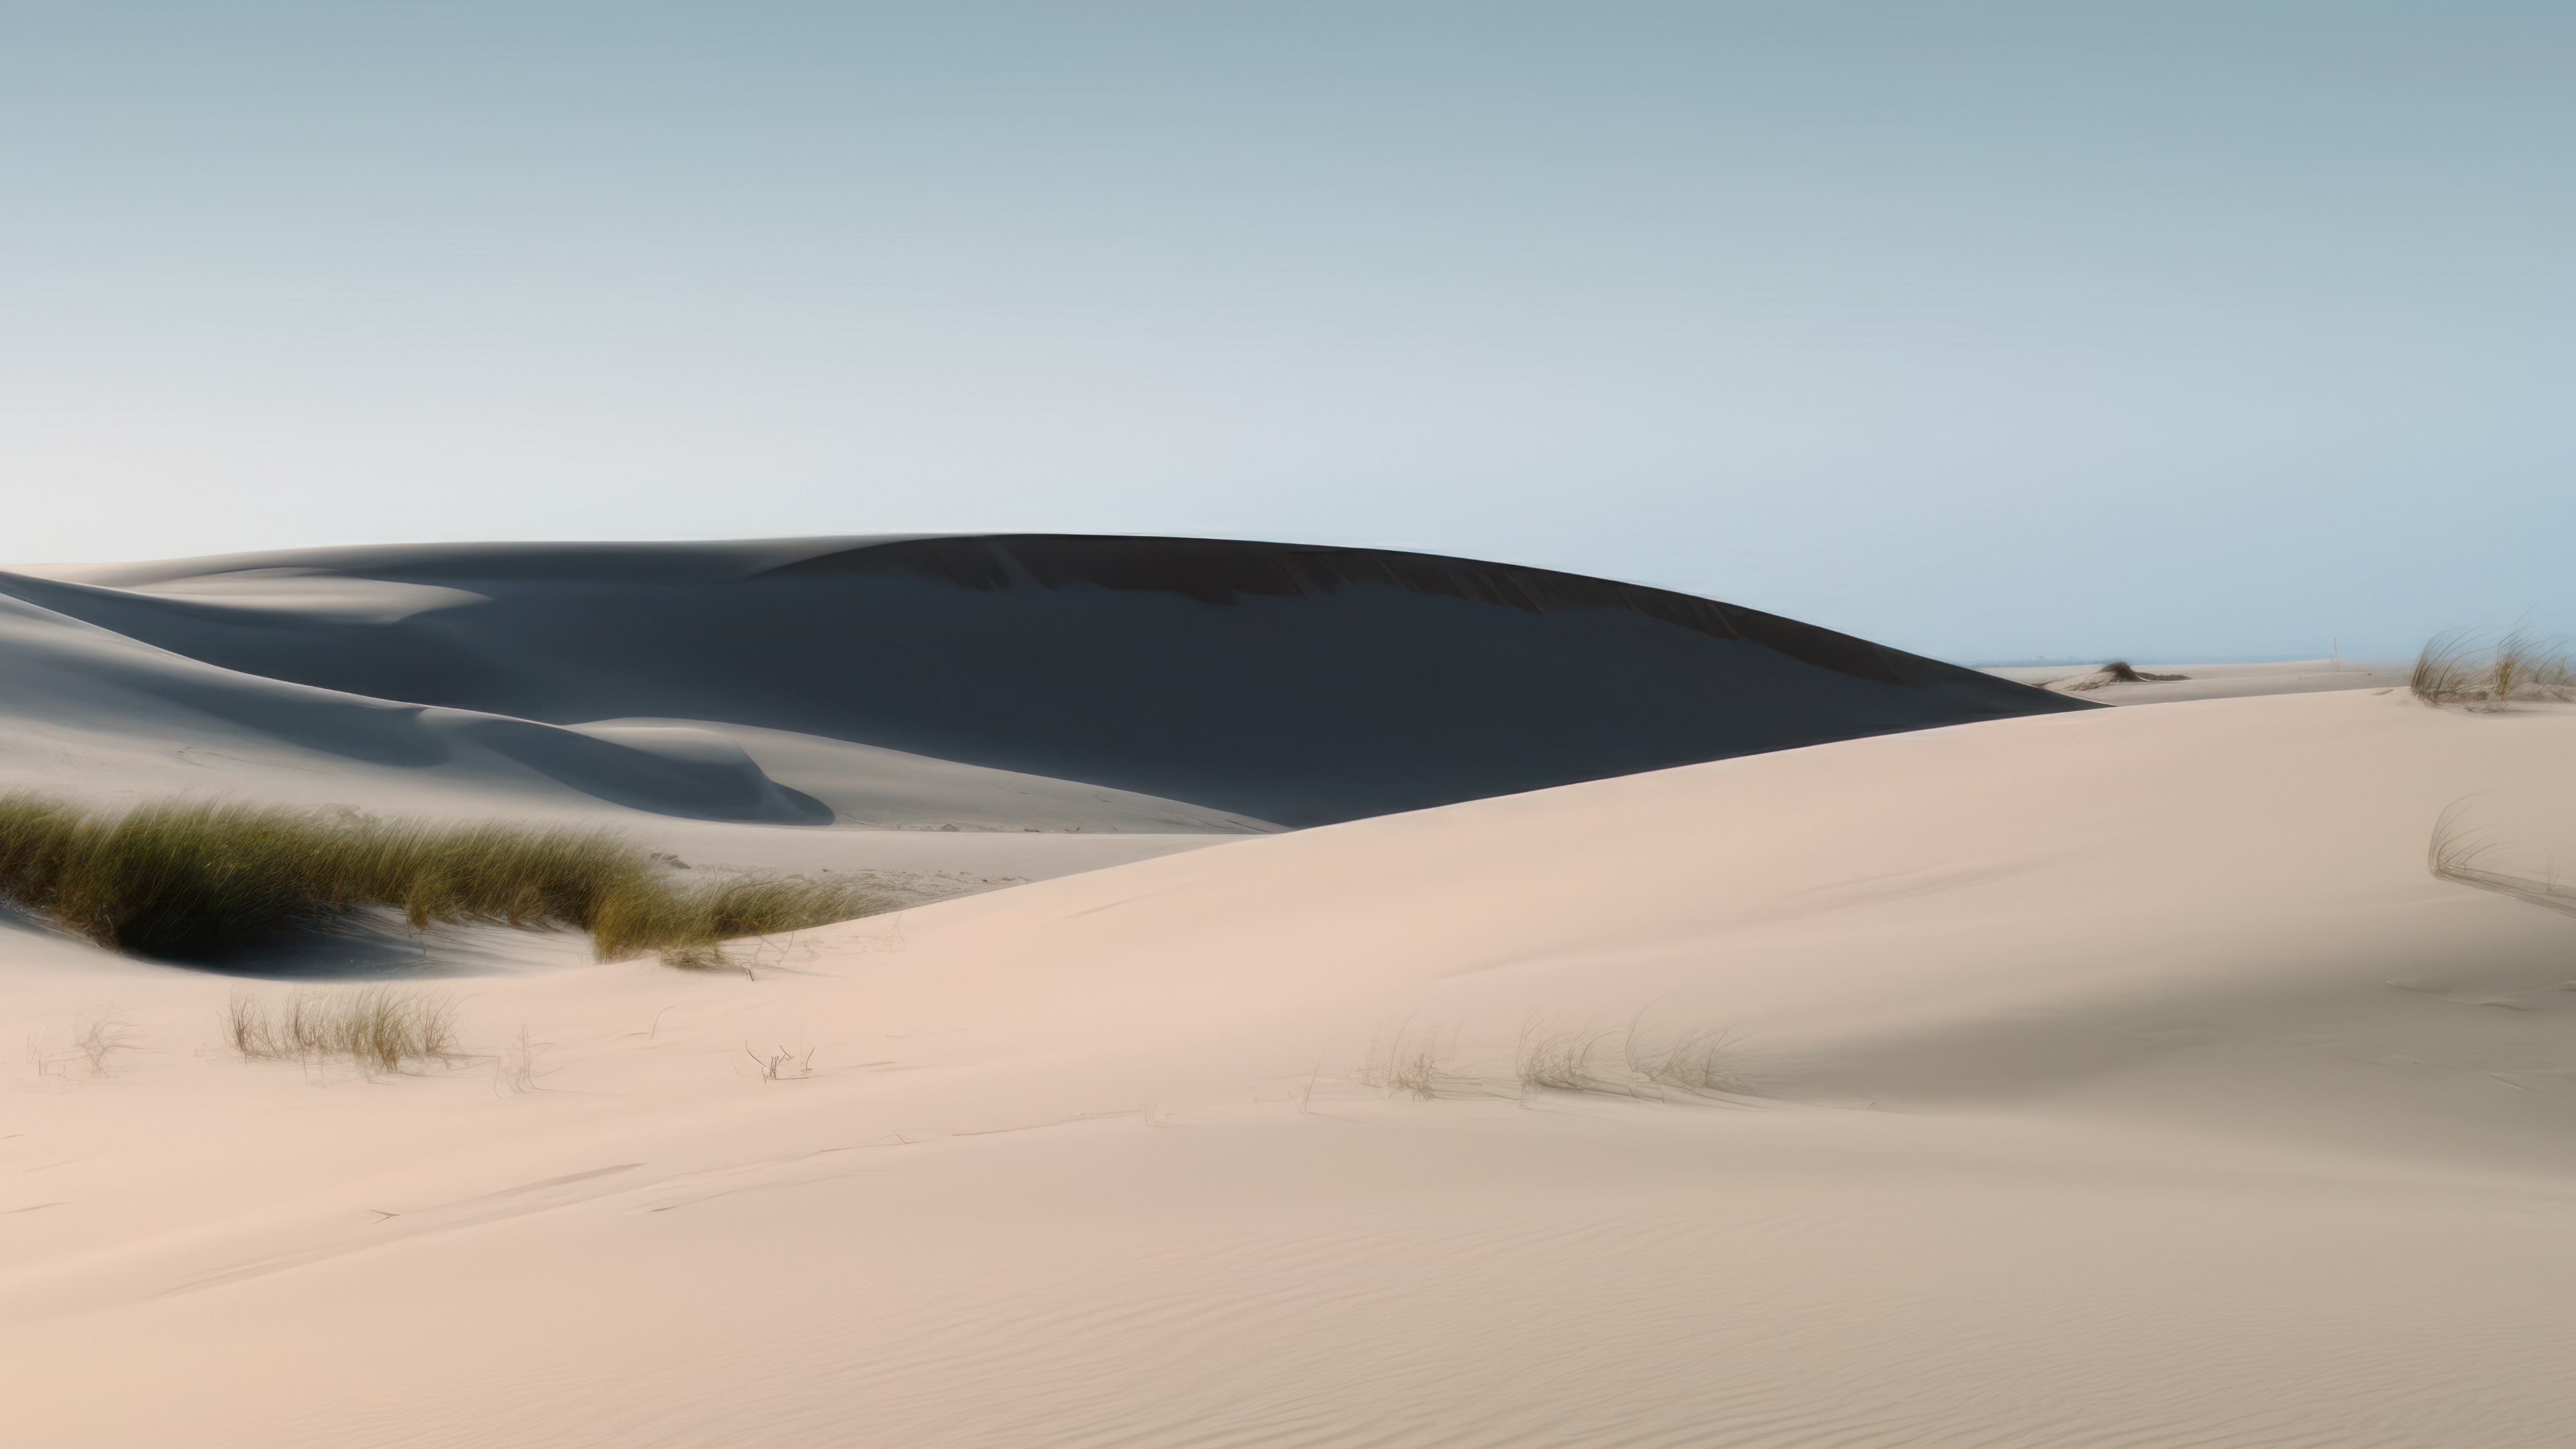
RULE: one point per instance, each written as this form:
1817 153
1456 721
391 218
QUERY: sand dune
101 717
92 711
2176 682
879 789
945 713
97 712
1935 1061
2112 1078
1264 682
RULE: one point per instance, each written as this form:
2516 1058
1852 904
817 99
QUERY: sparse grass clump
1700 1062
1412 1064
1562 1058
1557 1058
95 1041
379 1028
2463 668
210 883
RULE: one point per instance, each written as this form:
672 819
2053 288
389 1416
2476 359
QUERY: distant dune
2117 682
1258 682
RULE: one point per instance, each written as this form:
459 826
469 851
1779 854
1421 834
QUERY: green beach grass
210 883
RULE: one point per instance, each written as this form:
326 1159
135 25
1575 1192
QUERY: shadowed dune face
1296 684
90 688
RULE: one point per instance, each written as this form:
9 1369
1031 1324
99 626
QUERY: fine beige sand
2109 1078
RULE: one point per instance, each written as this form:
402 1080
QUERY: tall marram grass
2489 672
211 883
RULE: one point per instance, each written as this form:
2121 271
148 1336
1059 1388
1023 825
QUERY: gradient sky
1986 330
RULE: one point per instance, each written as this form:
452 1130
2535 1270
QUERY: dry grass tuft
1700 1062
1557 1058
783 1065
380 1028
94 1041
514 1067
2470 670
2444 672
1411 1064
99 1041
1560 1057
211 883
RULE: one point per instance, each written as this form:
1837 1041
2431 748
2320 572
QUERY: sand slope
95 712
2120 1078
90 714
1272 682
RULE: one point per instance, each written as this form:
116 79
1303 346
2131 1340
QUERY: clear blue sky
1982 329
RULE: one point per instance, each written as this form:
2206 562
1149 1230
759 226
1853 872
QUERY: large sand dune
107 718
2118 1078
1260 682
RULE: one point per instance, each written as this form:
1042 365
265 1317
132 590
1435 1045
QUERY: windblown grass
1560 1056
2464 668
1703 1062
1557 1058
689 924
1412 1063
1566 1059
380 1028
211 883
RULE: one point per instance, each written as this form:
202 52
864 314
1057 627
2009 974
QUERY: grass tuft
689 924
380 1028
1557 1058
1699 1062
1411 1064
212 883
2471 670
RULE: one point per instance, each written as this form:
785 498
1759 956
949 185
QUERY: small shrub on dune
210 883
